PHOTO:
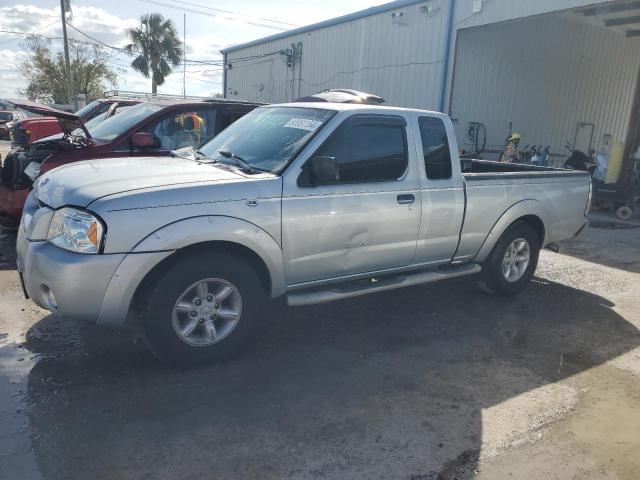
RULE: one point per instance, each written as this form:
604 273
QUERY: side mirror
142 140
324 170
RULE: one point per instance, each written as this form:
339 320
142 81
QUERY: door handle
406 198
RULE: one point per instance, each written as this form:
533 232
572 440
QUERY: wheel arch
170 242
234 233
232 248
531 212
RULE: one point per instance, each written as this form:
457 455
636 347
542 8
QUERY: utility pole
66 53
184 55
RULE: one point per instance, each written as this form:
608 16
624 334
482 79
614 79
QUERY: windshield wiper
189 153
200 155
239 161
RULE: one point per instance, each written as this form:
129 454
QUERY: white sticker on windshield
303 124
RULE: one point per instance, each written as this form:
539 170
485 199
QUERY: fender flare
528 207
211 228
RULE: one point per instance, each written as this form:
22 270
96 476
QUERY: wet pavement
7 251
433 382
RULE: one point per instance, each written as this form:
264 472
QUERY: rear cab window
435 148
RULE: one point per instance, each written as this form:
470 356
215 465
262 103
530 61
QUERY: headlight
76 230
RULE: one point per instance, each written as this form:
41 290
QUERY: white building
557 70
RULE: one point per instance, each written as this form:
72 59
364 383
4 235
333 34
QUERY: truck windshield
111 128
268 137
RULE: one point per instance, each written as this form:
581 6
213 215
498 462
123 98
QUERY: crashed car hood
83 182
68 121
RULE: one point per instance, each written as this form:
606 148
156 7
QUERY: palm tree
158 47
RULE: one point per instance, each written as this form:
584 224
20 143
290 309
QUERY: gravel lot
432 382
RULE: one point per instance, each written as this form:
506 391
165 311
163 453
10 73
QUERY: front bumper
94 288
63 282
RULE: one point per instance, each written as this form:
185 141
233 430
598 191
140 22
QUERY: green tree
158 47
46 78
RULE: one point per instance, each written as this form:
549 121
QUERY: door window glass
368 152
435 146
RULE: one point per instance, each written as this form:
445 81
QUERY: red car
151 128
29 130
7 119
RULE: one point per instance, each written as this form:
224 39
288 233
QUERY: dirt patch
598 439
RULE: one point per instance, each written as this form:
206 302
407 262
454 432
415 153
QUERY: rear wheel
624 212
512 262
203 309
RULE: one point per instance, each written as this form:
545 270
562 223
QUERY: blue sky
228 23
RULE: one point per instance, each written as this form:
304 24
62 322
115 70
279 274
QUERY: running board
378 284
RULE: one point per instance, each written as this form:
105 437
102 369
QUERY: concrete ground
433 382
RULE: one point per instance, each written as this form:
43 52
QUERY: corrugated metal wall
401 61
544 74
502 10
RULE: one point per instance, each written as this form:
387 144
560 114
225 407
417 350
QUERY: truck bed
473 166
558 196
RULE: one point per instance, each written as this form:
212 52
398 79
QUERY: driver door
365 221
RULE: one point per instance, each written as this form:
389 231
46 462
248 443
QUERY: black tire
157 309
493 279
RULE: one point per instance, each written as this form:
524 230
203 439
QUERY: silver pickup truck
311 202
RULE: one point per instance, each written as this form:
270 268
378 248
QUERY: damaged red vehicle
146 129
29 130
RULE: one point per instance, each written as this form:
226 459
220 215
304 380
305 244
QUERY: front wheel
512 262
202 310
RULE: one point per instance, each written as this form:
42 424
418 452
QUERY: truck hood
68 121
81 183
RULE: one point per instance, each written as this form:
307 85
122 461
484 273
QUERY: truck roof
355 106
213 101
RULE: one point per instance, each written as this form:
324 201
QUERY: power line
31 33
200 62
381 67
209 14
234 13
99 41
235 60
239 61
44 36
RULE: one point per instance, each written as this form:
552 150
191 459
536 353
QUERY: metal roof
327 23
